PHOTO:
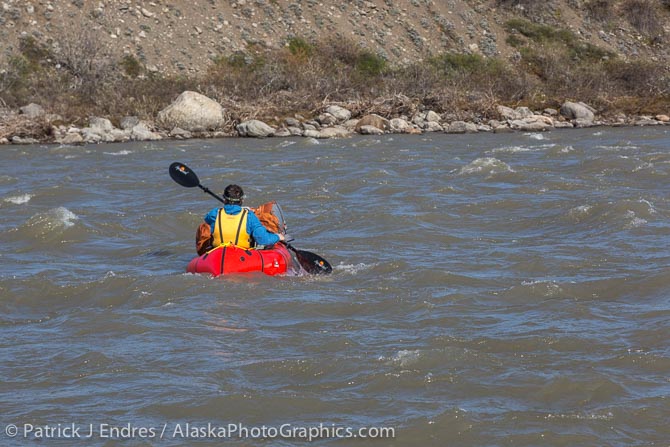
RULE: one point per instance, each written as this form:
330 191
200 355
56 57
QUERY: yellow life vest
231 229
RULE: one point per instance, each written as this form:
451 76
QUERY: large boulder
71 138
32 111
312 133
577 111
510 114
100 125
432 126
180 133
374 121
433 117
370 130
340 113
141 132
646 121
506 113
350 124
255 129
92 137
533 123
282 132
193 112
563 125
291 122
98 130
128 122
399 125
334 132
119 135
327 119
295 131
461 127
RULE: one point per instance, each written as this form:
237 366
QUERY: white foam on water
535 136
123 152
286 143
634 221
403 357
312 140
622 148
352 269
582 417
510 150
406 357
55 219
64 216
566 150
487 165
20 199
580 211
545 287
650 206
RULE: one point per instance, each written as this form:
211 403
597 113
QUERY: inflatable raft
232 259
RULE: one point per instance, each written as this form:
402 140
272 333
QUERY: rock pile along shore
193 115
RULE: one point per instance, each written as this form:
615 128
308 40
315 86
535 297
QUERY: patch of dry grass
17 125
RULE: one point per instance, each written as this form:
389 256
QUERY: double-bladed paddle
310 262
181 174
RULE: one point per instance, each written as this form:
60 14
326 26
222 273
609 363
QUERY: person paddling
233 225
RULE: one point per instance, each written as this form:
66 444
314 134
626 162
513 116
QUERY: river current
487 290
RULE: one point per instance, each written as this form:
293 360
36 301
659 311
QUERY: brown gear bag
203 239
266 216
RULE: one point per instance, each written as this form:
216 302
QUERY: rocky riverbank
88 72
193 115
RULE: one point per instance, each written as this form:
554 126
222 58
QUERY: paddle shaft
205 189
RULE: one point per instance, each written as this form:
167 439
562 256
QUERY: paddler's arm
260 234
210 218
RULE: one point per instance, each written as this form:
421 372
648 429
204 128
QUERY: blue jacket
254 226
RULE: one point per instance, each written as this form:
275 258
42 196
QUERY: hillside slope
185 36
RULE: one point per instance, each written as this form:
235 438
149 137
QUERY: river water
487 290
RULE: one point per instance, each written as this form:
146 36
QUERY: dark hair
233 194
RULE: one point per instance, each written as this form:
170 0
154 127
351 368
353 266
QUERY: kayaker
233 225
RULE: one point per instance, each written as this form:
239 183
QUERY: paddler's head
233 195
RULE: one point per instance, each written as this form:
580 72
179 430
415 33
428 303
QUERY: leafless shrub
7 81
82 54
644 16
599 10
638 77
20 126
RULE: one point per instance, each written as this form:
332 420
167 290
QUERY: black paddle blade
181 174
312 263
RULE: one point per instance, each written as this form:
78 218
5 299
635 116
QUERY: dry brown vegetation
12 125
76 79
644 16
